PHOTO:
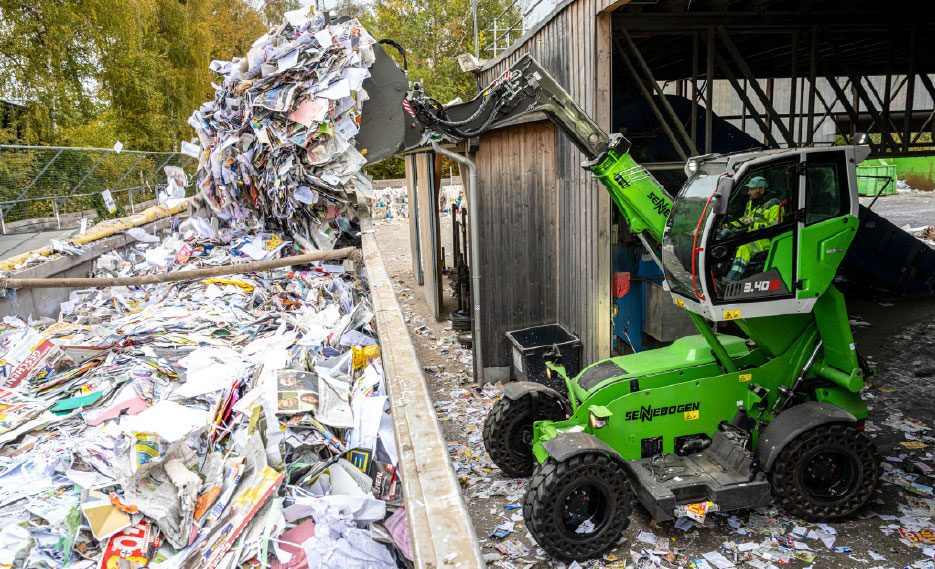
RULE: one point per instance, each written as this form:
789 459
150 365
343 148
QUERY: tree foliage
433 33
91 72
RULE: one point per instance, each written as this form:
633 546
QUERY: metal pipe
709 90
474 256
177 276
58 219
26 146
476 42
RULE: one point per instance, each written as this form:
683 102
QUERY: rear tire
578 508
826 473
508 430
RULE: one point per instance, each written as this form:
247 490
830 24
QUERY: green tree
273 10
433 33
91 72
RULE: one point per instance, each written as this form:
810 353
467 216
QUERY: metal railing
510 24
48 187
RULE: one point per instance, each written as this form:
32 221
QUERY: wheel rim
829 475
520 440
583 510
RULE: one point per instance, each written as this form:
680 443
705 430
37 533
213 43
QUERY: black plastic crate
530 346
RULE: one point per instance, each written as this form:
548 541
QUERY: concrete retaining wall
44 302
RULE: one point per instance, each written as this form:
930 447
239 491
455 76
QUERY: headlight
691 167
597 422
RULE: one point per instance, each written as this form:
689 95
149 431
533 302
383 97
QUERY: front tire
826 473
508 430
577 509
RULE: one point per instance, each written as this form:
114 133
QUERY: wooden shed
544 223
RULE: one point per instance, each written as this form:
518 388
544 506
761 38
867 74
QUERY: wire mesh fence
44 187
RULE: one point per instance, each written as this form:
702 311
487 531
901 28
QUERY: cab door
751 250
828 221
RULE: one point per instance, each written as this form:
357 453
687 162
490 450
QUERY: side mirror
721 196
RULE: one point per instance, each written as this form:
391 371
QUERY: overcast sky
539 12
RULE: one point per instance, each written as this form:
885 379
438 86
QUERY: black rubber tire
508 430
854 474
554 482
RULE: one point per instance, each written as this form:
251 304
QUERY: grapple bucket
385 126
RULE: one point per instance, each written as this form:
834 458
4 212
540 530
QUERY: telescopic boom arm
527 88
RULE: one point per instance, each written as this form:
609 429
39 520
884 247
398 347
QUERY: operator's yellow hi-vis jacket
764 214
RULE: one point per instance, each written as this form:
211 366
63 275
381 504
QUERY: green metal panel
918 172
780 257
822 247
870 176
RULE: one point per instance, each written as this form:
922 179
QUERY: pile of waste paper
237 421
277 142
390 203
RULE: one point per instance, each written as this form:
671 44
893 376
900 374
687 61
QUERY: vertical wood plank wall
569 48
430 246
518 256
413 190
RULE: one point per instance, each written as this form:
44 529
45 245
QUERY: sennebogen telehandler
712 421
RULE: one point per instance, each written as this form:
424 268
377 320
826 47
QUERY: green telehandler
712 421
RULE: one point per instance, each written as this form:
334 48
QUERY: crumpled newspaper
163 408
277 142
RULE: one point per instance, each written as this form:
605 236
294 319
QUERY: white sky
541 10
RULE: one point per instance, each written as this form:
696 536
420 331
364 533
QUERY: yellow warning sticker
680 302
745 377
691 415
731 314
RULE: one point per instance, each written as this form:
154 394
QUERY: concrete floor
916 209
895 333
12 245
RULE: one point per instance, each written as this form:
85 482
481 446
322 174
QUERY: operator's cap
758 182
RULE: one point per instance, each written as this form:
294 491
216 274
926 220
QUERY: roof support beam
746 100
829 110
911 90
689 142
848 108
649 100
694 92
886 139
793 80
813 87
745 70
709 90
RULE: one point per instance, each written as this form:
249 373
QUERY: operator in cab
761 212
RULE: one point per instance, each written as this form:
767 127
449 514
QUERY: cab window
779 187
752 244
826 188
